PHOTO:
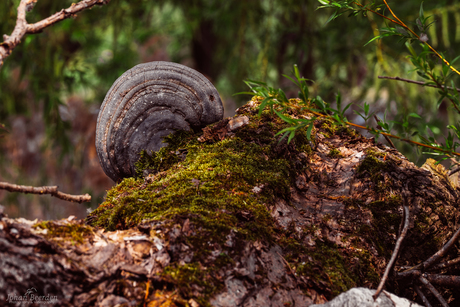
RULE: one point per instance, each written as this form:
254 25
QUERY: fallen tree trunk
235 217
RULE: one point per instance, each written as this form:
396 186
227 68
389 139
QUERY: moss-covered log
234 216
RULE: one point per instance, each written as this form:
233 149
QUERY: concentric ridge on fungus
147 103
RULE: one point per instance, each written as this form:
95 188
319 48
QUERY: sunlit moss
75 233
226 185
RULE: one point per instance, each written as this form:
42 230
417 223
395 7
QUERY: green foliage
437 75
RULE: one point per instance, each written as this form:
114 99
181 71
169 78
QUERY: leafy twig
448 152
418 82
22 27
402 24
52 190
386 137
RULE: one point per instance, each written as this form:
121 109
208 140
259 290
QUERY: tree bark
332 228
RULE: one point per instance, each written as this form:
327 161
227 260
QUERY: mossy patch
334 153
192 277
228 186
68 232
214 184
223 187
372 166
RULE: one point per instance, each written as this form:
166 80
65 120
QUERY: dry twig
433 290
52 190
444 280
422 296
22 27
446 264
396 250
439 254
429 279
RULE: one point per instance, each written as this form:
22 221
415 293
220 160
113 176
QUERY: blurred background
53 83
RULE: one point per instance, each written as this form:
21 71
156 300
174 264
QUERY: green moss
214 184
191 277
374 166
224 187
335 153
328 265
75 233
328 127
162 160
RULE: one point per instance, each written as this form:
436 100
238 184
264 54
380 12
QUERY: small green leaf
244 93
346 107
422 74
338 100
402 31
285 118
445 69
296 72
310 127
373 39
291 136
419 24
332 17
421 15
293 81
282 96
411 49
366 108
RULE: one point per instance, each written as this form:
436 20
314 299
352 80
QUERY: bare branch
446 264
418 82
454 171
422 296
22 27
395 252
439 254
433 290
52 190
410 273
444 280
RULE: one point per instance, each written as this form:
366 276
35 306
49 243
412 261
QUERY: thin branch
422 296
433 290
447 152
409 273
402 24
418 82
456 170
444 280
52 190
416 35
377 13
395 252
22 27
439 254
446 264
